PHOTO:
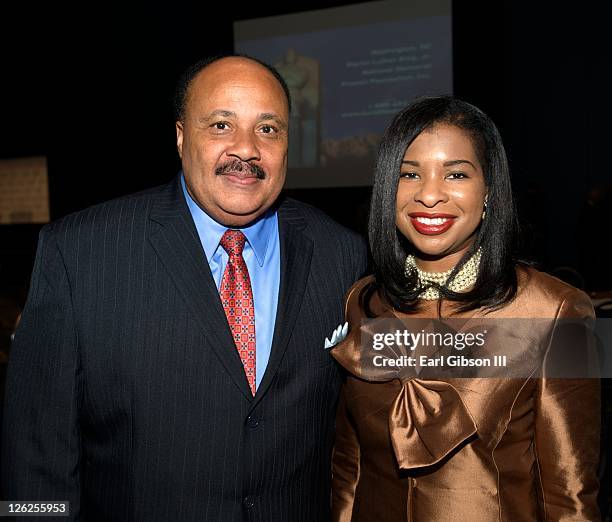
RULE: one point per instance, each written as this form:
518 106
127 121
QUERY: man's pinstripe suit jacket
125 393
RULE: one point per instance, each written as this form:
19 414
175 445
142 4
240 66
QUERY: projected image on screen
349 70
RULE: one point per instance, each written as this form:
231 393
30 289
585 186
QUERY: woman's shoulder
363 298
535 281
359 286
544 295
538 295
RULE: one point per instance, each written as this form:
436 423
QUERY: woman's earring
484 210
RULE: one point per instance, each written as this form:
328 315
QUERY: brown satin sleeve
567 437
345 463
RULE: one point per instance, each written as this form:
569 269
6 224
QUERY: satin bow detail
427 421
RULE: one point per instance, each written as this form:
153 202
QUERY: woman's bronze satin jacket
467 450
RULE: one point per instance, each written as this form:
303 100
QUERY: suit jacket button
252 422
248 502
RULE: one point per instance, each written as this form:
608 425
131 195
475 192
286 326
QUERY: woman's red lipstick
442 224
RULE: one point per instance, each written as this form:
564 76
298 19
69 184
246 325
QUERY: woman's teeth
432 221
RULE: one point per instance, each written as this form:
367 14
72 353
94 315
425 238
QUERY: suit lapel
296 253
176 242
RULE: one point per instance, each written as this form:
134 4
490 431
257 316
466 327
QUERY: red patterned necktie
237 298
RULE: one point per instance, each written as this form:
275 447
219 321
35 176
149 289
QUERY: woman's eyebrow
458 162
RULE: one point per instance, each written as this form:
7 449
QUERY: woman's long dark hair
496 235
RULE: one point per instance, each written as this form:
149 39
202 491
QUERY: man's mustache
250 169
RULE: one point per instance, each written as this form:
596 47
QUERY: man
140 388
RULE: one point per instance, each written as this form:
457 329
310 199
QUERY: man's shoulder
124 210
334 244
316 222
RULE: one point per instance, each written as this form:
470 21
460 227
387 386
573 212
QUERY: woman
442 232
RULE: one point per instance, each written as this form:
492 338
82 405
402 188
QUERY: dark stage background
90 88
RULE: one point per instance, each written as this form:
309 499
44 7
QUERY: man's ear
179 138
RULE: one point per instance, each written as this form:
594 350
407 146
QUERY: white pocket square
338 335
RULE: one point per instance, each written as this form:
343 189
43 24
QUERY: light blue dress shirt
262 257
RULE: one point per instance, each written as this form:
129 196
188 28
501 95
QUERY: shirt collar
210 231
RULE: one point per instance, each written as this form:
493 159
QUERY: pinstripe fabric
125 394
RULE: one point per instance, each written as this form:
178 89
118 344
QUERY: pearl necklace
465 278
